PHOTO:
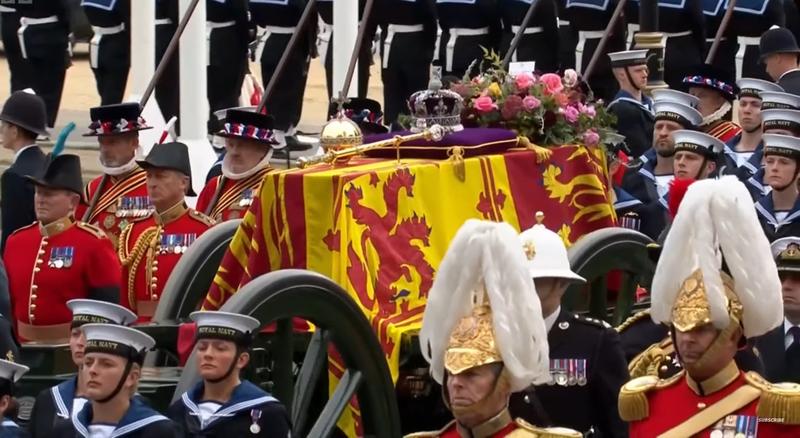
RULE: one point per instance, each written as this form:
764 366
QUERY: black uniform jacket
772 347
16 200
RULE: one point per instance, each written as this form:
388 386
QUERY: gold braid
134 258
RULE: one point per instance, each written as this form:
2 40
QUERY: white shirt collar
19 152
550 321
788 338
787 72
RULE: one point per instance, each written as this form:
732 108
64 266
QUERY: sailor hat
117 340
779 100
752 87
100 312
686 116
224 325
628 58
667 95
781 119
784 145
697 142
11 371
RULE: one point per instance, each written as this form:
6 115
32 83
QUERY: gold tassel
456 154
542 154
633 404
779 401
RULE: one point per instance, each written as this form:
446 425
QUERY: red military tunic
723 130
498 427
150 248
50 265
724 405
121 201
233 199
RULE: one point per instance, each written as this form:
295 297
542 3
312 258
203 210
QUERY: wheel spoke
598 298
314 364
283 351
348 385
625 298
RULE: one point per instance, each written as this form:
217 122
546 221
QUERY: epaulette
430 434
200 217
592 321
649 362
528 430
32 224
633 319
91 229
633 404
779 401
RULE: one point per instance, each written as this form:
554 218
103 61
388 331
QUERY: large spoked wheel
619 251
278 297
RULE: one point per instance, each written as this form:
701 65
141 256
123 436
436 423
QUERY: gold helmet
483 309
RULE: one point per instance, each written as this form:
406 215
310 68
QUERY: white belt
163 21
563 23
711 40
584 35
678 34
454 34
324 41
265 32
24 22
7 9
393 29
527 31
744 41
211 26
94 44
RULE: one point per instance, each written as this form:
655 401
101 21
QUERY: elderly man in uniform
586 362
633 109
742 155
712 315
483 333
779 210
113 367
56 251
716 92
781 55
249 143
780 347
23 118
59 403
10 373
119 195
150 247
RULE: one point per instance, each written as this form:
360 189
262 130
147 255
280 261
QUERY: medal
561 373
571 371
255 415
582 372
58 264
552 380
70 251
108 222
716 433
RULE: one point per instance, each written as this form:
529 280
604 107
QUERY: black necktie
793 356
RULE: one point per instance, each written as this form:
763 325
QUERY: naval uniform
168 86
539 41
467 26
228 33
778 224
233 199
635 120
725 59
110 47
792 12
10 429
18 68
325 47
149 249
743 165
641 182
751 18
53 406
122 199
780 349
408 37
44 42
590 18
649 219
277 21
42 260
684 26
250 412
588 369
139 421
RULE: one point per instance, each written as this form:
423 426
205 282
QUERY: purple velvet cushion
474 141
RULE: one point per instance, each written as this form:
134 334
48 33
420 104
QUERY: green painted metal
287 294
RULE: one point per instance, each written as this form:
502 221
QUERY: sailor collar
646 104
9 423
756 181
138 415
63 395
245 396
753 163
624 199
766 208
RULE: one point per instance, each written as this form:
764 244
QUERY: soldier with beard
742 154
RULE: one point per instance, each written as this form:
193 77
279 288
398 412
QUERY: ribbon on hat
249 131
710 82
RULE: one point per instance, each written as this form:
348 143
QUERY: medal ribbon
132 182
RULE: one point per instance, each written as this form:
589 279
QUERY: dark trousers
567 41
602 81
47 60
468 49
752 67
168 86
364 62
725 57
111 74
286 102
20 76
227 68
407 71
534 47
680 57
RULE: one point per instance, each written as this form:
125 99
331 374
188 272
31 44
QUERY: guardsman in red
249 142
119 195
485 337
711 315
151 247
56 259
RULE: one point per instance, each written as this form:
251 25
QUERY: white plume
488 254
717 220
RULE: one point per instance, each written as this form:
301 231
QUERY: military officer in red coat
56 259
712 314
483 334
119 195
249 142
150 247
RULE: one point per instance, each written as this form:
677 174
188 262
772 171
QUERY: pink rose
511 107
570 78
552 83
484 104
531 103
524 80
561 99
591 138
571 114
588 110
